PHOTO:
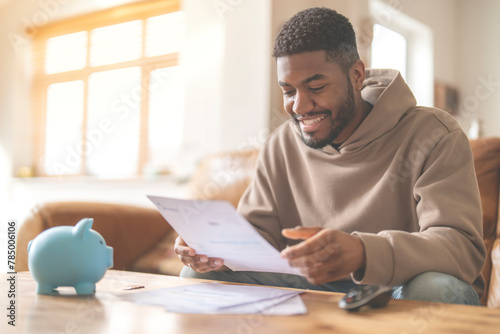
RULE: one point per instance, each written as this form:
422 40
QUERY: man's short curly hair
317 29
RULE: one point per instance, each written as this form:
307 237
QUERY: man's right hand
197 262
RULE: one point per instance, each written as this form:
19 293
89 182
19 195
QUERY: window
388 49
403 43
108 91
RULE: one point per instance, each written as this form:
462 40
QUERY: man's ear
358 74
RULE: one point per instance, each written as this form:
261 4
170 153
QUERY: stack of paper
217 298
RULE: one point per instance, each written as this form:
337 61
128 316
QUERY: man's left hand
325 255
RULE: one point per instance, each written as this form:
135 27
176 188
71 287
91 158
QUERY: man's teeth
313 121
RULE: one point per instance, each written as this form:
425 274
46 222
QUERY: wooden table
107 313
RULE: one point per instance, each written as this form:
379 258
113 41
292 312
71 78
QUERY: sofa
143 241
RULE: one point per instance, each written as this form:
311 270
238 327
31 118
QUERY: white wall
227 65
478 67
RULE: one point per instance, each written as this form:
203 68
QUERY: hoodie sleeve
448 208
258 203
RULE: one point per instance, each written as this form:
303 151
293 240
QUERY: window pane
164 34
64 128
165 116
113 122
388 49
116 43
66 53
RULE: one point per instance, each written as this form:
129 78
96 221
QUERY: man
381 191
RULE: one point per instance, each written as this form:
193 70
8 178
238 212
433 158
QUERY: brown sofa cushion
487 163
126 228
224 176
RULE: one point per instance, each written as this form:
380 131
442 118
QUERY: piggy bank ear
82 228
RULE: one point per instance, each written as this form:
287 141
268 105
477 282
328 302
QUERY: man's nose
302 103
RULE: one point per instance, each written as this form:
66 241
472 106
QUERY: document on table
217 298
215 229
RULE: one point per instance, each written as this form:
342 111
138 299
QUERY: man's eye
288 92
314 89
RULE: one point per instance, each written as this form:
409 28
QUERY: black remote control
372 295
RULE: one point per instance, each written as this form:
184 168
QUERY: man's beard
344 115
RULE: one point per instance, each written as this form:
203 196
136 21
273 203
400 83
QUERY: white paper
217 298
215 229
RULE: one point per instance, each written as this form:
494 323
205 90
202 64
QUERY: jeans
429 286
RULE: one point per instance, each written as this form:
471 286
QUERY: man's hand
326 255
197 262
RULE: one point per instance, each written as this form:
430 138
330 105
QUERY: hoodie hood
391 98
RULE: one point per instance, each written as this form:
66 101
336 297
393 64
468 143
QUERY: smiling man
361 186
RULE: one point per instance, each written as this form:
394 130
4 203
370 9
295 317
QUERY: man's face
318 95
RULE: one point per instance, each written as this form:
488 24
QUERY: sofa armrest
130 230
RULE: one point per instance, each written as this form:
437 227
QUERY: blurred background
110 100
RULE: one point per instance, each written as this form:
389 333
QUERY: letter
95 136
118 107
418 322
490 85
51 7
404 168
211 190
17 42
73 159
471 103
393 180
479 95
158 76
137 95
12 306
59 169
221 7
187 211
12 323
72 328
106 126
128 101
437 135
28 26
396 4
425 146
383 17
221 177
82 228
40 19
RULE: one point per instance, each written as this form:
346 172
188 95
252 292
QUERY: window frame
87 22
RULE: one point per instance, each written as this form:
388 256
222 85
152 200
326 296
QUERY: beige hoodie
404 182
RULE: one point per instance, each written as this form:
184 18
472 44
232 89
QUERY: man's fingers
318 257
185 251
198 262
300 232
210 264
309 246
182 249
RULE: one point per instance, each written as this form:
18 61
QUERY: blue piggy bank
69 256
